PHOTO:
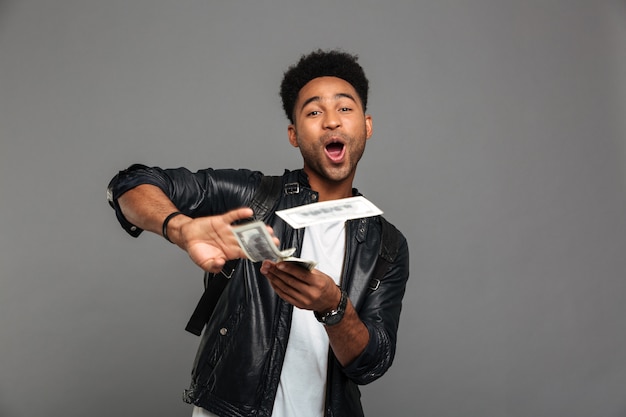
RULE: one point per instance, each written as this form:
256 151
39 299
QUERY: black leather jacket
239 361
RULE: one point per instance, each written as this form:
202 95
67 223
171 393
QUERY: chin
337 176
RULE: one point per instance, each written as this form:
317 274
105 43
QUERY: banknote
258 245
329 211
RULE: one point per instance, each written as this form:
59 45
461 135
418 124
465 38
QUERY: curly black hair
321 63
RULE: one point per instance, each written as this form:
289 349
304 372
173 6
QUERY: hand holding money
208 240
258 245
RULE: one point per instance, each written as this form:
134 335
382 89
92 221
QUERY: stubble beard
317 161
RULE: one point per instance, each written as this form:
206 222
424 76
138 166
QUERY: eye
314 113
345 109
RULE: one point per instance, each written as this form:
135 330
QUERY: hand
210 242
314 290
308 290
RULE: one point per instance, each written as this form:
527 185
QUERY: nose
331 121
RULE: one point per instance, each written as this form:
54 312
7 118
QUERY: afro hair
321 63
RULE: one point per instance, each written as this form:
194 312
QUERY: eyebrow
318 98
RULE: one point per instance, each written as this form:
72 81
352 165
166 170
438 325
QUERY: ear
293 137
369 129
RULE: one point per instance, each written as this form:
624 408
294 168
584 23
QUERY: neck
327 195
328 189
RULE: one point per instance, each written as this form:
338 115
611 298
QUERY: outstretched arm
209 241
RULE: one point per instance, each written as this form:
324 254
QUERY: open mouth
335 151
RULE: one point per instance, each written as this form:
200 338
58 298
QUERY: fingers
266 265
237 214
246 213
291 274
310 290
209 241
280 280
290 283
280 284
274 238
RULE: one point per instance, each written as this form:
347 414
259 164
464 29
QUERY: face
331 129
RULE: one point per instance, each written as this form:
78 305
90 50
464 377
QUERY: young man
283 340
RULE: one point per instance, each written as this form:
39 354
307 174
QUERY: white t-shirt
302 387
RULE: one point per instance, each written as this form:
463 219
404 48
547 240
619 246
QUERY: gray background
499 149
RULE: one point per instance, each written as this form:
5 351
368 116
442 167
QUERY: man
283 340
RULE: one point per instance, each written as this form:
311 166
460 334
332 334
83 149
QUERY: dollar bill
329 211
258 245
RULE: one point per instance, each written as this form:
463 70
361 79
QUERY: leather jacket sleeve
380 312
202 193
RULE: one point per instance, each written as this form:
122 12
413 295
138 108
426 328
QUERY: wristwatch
334 316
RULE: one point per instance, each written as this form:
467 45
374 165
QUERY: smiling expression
331 129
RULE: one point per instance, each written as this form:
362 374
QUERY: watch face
334 318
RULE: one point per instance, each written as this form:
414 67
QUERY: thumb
213 265
237 214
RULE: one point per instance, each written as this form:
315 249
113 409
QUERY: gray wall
499 149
